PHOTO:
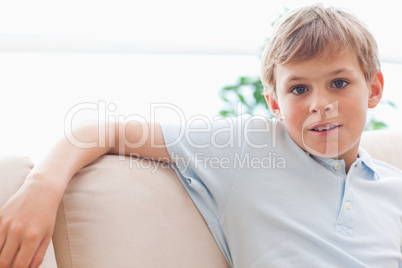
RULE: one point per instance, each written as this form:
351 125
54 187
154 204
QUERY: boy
294 193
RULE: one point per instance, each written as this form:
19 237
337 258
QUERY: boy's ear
376 89
272 104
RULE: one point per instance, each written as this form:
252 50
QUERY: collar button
337 166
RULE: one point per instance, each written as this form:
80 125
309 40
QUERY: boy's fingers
2 241
39 254
3 234
25 254
8 252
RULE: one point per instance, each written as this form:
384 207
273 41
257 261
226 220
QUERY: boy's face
323 103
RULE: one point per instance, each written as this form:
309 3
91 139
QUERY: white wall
40 88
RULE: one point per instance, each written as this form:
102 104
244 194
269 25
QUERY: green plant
373 123
248 93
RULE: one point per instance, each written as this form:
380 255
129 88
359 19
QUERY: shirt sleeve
205 153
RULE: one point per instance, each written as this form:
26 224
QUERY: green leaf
373 124
258 96
390 103
224 113
379 125
229 88
241 98
245 80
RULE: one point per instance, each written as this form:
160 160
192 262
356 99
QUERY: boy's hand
26 225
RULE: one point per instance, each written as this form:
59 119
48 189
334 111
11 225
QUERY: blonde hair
307 32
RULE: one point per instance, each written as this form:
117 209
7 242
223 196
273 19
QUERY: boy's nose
322 108
322 103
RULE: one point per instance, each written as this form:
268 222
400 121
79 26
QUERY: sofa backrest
384 145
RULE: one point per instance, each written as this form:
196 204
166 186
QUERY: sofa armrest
13 171
131 213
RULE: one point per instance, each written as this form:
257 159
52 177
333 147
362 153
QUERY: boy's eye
299 90
339 84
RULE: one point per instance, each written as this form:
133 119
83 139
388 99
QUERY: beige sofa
128 213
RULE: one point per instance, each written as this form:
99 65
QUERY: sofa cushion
131 213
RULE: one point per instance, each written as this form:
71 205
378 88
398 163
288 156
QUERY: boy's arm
27 219
70 155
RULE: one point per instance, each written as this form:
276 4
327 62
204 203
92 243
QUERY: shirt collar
333 165
368 162
363 158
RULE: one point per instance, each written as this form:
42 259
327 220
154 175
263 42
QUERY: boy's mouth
324 127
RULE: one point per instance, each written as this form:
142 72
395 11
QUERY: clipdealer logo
198 132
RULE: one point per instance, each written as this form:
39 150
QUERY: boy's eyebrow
336 72
340 71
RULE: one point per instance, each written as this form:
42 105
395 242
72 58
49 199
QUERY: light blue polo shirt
270 204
